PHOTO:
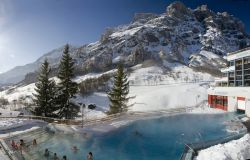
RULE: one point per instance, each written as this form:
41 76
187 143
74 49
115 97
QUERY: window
247 63
247 77
238 77
231 83
231 63
231 74
247 83
247 72
238 72
238 83
238 65
247 60
238 62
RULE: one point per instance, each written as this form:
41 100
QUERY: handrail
6 150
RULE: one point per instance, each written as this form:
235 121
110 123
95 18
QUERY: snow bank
6 123
235 150
155 75
18 132
79 79
17 92
15 122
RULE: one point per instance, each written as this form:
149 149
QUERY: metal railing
104 119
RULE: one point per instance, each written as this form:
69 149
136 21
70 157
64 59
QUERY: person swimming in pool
21 146
137 133
14 145
34 142
46 152
22 143
74 148
64 157
55 157
90 156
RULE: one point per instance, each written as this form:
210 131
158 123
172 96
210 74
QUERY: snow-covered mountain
197 38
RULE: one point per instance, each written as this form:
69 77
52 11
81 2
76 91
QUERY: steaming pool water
158 139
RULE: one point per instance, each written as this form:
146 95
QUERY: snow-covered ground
100 99
155 75
11 123
233 150
161 97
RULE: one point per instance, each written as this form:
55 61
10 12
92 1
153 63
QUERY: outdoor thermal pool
158 139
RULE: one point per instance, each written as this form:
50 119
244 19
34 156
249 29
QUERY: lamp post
82 113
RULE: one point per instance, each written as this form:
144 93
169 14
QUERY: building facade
232 92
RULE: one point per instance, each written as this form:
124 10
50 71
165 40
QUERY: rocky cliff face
181 34
198 38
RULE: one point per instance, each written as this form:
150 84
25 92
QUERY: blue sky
30 28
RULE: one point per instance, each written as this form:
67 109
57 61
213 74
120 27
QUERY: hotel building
232 91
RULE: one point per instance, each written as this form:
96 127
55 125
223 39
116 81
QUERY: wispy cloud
12 56
6 51
4 11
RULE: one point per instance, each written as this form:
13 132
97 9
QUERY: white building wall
247 107
232 104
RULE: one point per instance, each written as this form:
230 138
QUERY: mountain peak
177 9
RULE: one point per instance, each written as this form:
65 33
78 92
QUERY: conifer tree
44 97
66 87
118 94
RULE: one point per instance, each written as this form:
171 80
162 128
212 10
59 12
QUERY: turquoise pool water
152 139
